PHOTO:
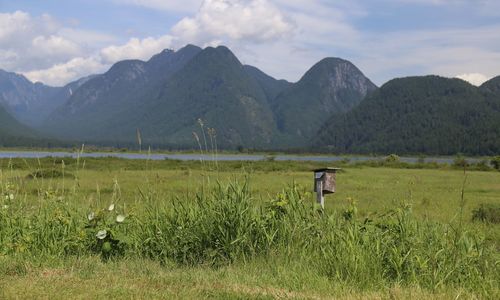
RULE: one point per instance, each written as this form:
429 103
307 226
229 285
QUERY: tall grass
222 225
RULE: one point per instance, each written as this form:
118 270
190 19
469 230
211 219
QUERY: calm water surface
220 157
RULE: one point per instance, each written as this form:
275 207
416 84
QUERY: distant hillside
333 85
13 133
31 103
430 114
165 97
26 101
98 108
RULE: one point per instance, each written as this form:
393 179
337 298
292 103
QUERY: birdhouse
324 183
326 177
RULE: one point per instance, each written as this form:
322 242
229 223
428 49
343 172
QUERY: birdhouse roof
329 169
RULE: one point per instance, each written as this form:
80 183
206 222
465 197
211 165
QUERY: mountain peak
5 75
492 85
340 68
333 61
333 85
218 55
130 69
190 47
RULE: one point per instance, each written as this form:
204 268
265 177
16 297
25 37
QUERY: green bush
488 213
495 162
392 158
460 162
482 165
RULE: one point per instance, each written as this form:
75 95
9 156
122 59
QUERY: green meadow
107 227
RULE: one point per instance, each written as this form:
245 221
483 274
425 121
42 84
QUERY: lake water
220 157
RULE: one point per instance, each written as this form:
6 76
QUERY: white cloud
136 49
54 45
62 73
234 20
474 78
321 29
27 42
18 26
282 37
10 23
44 50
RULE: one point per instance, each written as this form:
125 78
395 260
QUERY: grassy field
244 230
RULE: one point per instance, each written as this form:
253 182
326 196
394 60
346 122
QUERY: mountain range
332 108
164 97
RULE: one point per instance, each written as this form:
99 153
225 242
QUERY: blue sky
56 41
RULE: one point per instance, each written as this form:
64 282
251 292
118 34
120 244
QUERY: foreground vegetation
106 228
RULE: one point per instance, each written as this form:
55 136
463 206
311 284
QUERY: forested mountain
96 109
333 85
333 108
215 88
430 114
164 97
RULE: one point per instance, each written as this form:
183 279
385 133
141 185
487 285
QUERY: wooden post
320 198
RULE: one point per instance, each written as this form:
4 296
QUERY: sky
58 41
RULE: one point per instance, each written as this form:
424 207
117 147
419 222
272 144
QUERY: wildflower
111 207
101 234
11 196
91 216
120 218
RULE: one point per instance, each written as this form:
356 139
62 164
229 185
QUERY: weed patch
487 213
49 173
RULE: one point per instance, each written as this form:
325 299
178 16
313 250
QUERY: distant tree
495 162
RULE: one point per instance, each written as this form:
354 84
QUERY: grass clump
49 173
222 226
218 227
487 213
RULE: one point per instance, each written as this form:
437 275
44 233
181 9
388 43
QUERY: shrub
482 165
488 213
460 162
392 158
495 162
